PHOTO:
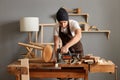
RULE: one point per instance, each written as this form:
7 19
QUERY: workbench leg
18 77
115 72
86 77
25 63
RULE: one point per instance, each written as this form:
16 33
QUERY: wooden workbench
48 70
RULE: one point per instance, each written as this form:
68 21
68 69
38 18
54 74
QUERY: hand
64 50
55 60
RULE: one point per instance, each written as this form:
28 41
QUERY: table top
52 65
48 65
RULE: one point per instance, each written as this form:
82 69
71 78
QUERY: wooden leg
25 63
18 77
30 54
116 73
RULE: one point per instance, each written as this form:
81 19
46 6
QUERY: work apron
66 37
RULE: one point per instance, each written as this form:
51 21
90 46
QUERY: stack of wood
90 59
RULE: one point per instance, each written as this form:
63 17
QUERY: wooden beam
31 46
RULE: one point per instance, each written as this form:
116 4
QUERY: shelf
81 14
100 31
54 24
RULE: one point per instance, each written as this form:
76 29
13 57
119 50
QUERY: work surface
52 70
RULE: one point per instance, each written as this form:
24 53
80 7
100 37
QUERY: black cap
62 15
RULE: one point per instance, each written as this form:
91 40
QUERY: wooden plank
48 25
57 73
31 46
85 66
41 65
81 14
100 31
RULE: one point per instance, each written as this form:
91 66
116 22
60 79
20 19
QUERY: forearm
75 39
56 43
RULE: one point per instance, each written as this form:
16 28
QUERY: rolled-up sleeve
75 25
56 31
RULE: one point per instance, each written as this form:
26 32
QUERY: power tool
71 57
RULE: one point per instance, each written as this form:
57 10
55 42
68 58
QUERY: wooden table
37 70
49 70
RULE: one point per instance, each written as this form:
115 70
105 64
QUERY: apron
66 37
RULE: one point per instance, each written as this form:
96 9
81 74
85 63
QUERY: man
69 32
